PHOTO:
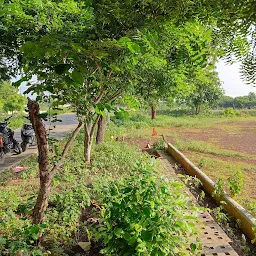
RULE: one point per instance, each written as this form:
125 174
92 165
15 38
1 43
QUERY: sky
229 75
231 80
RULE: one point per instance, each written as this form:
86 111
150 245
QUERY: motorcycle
27 136
2 155
7 142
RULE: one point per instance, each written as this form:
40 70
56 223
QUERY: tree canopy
10 99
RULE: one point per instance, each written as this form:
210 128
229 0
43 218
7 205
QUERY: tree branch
66 148
94 125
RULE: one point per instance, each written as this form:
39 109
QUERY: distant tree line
240 102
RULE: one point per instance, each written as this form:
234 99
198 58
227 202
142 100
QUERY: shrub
229 112
144 214
235 183
160 144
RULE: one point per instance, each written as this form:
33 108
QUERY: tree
226 102
11 99
207 90
180 52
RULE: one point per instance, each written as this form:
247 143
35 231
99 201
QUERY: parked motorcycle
2 155
7 142
27 136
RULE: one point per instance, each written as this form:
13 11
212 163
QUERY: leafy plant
202 162
219 187
160 144
219 214
144 214
22 240
229 112
235 183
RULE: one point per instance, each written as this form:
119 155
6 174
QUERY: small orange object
154 133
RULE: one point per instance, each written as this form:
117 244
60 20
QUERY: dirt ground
236 136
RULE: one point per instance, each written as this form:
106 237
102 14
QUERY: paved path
214 240
68 124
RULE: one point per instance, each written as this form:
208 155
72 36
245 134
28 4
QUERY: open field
221 147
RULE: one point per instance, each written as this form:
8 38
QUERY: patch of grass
223 169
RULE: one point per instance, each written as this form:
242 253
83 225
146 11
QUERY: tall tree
207 90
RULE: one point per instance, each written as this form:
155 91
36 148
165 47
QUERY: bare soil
236 136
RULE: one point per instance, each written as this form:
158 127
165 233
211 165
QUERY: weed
219 187
143 214
202 163
235 183
159 145
220 215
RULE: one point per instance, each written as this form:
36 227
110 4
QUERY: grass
217 168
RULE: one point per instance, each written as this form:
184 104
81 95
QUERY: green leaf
23 79
43 115
77 77
62 68
193 247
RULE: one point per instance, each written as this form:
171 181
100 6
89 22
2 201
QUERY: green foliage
12 100
207 89
160 144
219 187
240 102
144 214
235 183
202 163
229 112
62 217
20 236
16 121
117 158
219 213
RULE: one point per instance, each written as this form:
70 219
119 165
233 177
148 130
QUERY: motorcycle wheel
24 146
17 148
2 157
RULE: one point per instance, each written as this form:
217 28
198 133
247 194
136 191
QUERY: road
68 124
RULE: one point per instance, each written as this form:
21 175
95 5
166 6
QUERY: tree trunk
153 112
43 162
101 130
89 128
45 175
87 142
197 109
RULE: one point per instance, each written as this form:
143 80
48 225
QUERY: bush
230 112
160 144
143 214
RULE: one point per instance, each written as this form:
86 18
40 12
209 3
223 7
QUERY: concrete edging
248 222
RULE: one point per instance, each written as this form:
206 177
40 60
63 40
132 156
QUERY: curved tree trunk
43 162
153 112
101 130
46 175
